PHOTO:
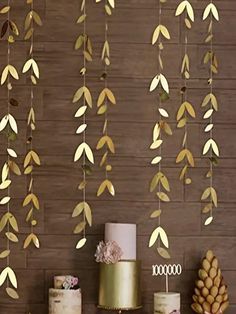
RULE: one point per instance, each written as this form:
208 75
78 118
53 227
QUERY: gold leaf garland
106 99
186 109
83 152
9 127
210 105
160 183
32 159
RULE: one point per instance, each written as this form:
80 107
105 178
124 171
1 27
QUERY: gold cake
120 285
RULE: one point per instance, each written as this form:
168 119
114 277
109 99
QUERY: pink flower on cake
109 252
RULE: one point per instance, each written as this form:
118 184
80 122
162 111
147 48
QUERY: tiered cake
119 286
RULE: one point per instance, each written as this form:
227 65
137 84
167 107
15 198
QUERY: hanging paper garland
32 159
186 109
160 183
105 99
83 152
8 126
210 104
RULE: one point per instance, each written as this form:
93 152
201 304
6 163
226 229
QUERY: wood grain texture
133 66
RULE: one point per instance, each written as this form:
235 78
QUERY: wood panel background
133 65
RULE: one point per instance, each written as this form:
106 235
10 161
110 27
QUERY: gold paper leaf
4 122
154 83
81 111
12 122
11 152
11 236
164 83
156 144
4 185
81 243
78 209
208 221
156 213
185 5
159 231
163 196
208 114
211 8
81 128
28 240
79 227
14 168
12 293
8 271
163 253
5 200
156 160
4 254
163 112
5 9
88 214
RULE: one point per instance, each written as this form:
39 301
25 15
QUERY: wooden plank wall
133 65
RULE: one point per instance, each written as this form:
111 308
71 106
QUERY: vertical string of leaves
8 126
106 98
186 109
210 105
32 159
83 152
160 183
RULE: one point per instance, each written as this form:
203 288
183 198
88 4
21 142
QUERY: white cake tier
166 303
125 236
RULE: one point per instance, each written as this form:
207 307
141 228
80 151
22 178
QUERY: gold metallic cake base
119 286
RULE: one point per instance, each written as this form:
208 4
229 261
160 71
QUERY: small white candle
166 303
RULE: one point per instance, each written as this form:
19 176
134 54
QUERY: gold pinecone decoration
210 295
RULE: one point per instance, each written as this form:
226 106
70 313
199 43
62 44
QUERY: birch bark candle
166 303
